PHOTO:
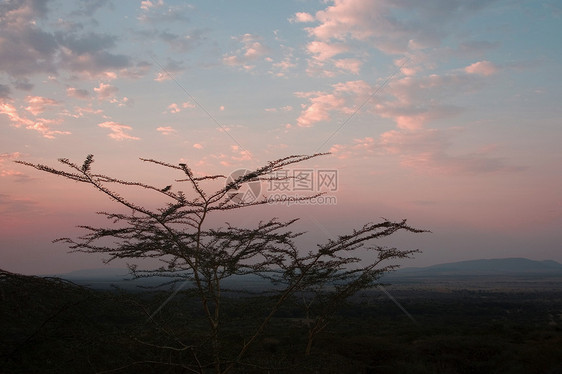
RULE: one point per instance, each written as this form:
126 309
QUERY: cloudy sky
444 112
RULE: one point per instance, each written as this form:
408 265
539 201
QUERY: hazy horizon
112 270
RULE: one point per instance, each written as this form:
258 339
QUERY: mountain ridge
494 266
486 267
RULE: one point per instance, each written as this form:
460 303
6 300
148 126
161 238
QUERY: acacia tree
177 236
333 276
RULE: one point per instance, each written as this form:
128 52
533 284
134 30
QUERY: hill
482 270
487 267
110 273
51 325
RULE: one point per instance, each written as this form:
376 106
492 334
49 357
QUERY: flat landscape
446 324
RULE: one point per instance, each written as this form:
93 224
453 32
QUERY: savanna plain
446 325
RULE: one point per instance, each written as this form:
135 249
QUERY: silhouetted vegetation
178 238
52 326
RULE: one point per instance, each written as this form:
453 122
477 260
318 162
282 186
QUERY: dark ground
458 326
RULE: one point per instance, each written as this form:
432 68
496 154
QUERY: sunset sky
444 112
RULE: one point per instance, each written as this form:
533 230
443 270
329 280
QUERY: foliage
202 258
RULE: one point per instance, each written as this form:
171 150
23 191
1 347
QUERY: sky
443 112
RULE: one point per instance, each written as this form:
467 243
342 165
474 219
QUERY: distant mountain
485 267
107 278
118 273
103 278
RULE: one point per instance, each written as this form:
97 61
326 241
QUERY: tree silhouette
176 235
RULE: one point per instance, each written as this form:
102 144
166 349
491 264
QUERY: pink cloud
12 113
413 116
377 22
302 17
232 60
426 151
176 108
11 173
413 141
77 93
10 156
136 72
41 125
341 151
147 4
358 88
351 65
371 21
7 172
166 130
402 28
360 148
253 55
162 76
324 63
240 153
29 45
105 75
97 63
319 109
412 89
411 122
286 108
81 111
236 157
283 66
409 67
252 49
413 101
322 104
118 131
255 50
106 91
171 69
319 68
469 163
38 104
482 68
323 51
346 17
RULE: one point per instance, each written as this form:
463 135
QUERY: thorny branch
176 236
